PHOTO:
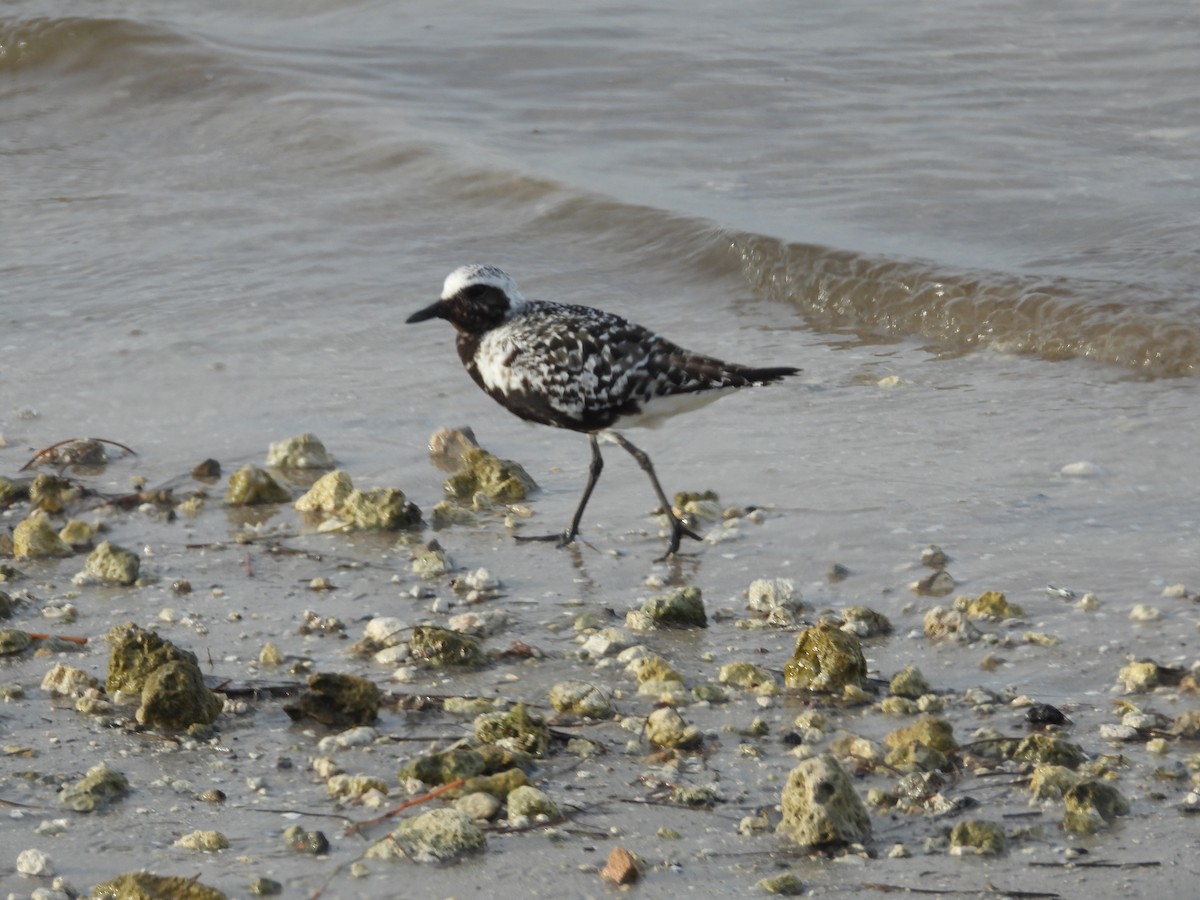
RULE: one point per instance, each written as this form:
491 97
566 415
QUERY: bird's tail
766 375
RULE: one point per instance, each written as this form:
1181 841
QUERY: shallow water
217 218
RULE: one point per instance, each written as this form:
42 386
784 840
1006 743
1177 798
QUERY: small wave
72 41
840 290
1055 319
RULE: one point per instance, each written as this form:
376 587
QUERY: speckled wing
585 369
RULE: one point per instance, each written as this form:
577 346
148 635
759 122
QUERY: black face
475 309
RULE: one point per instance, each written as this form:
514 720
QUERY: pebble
34 862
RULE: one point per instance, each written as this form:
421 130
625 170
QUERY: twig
73 639
356 827
47 450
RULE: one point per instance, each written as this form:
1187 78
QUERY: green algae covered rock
528 802
582 699
1046 749
440 835
99 787
135 654
250 485
443 648
682 608
174 697
305 451
978 837
501 480
910 683
446 766
145 886
1091 805
113 564
337 701
988 605
826 659
515 728
35 538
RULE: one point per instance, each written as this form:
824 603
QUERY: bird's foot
561 539
678 532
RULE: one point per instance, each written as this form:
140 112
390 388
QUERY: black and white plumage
579 368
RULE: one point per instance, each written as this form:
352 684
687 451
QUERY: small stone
207 841
682 608
337 701
251 485
100 786
939 584
767 594
978 837
480 806
621 867
665 727
1144 612
910 683
36 863
113 564
785 884
582 699
1082 469
1091 805
530 802
304 451
933 557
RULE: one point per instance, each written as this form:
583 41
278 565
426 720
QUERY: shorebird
580 368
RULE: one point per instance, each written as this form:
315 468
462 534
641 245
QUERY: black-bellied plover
580 368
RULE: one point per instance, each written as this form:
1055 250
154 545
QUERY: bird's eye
476 291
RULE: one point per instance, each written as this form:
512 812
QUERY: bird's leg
569 535
678 529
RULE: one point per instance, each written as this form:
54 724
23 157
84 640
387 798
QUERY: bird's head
474 299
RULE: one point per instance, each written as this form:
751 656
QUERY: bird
582 369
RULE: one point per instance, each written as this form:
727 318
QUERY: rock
767 594
327 495
988 605
35 862
13 641
447 513
929 730
443 648
515 729
479 805
444 767
1140 676
448 446
113 564
379 509
978 837
949 624
821 807
146 886
939 584
682 608
52 494
653 668
579 698
206 841
67 681
910 683
77 534
314 843
826 659
1091 805
250 485
865 622
99 787
431 561
499 784
440 835
933 557
135 654
354 787
785 884
337 701
174 697
265 887
745 675
1046 749
665 727
305 451
1050 782
528 802
621 867
605 642
501 480
35 538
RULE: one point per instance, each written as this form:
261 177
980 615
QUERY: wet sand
879 451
